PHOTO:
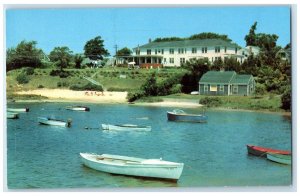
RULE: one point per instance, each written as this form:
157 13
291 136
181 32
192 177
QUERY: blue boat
180 115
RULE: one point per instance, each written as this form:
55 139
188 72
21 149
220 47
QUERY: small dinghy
78 108
54 122
125 127
131 166
262 151
279 158
181 116
12 115
18 109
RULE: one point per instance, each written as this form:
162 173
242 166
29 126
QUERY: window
149 52
235 89
213 88
205 88
137 52
204 50
165 60
182 60
217 49
222 88
225 49
171 60
171 51
194 50
181 50
155 51
235 50
162 51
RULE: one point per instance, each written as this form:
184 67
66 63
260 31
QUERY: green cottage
226 83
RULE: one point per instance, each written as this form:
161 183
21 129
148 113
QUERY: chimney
150 40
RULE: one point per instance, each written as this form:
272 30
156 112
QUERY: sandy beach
62 95
65 95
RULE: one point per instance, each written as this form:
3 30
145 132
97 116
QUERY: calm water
214 153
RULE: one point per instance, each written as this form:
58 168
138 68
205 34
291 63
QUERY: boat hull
130 167
186 117
18 109
12 115
262 151
125 127
278 158
46 121
78 108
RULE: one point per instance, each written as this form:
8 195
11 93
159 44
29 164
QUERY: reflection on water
214 153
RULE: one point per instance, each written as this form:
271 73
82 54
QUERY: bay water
214 153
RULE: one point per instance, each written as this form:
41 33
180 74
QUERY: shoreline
108 97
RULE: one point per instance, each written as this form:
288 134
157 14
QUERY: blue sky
128 27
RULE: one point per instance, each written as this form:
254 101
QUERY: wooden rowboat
262 151
180 115
131 166
12 115
279 158
78 108
125 127
18 109
54 122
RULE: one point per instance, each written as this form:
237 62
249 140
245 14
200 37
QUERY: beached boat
54 122
279 158
78 108
18 109
131 166
180 115
12 115
262 151
125 127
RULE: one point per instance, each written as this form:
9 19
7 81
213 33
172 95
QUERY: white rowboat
18 109
125 127
115 164
12 115
54 122
78 108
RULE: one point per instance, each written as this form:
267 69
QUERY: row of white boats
124 165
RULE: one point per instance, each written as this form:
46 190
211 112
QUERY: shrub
210 101
286 100
133 96
28 70
89 87
61 74
22 78
62 84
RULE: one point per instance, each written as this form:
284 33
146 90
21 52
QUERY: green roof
241 79
190 43
224 77
217 77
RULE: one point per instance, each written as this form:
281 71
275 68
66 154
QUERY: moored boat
125 127
54 122
262 151
12 115
180 115
18 109
78 108
131 166
280 158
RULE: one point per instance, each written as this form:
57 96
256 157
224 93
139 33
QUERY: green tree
286 100
196 68
78 60
251 37
124 52
231 64
61 56
150 86
24 55
209 35
94 49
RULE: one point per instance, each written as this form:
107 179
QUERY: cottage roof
241 79
221 77
190 43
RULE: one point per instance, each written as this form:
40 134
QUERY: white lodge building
174 53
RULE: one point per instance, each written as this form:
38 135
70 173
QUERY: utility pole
116 47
